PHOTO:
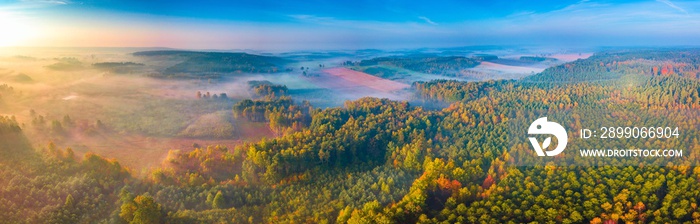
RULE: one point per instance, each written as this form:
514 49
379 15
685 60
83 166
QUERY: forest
377 160
118 67
440 65
214 64
535 58
606 65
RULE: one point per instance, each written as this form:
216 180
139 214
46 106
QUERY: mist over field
213 111
223 123
146 107
136 94
200 136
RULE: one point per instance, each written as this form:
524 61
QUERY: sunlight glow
15 30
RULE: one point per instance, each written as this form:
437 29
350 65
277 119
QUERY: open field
349 112
490 71
144 117
139 153
506 68
570 57
364 79
434 142
401 74
335 85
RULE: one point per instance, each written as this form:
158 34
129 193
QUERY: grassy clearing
213 125
398 74
162 117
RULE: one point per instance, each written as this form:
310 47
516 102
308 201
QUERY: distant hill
426 64
485 57
536 58
118 67
631 63
66 64
22 78
215 64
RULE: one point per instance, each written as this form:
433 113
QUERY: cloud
670 4
427 20
368 25
320 20
22 5
47 2
582 22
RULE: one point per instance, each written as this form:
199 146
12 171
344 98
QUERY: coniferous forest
376 160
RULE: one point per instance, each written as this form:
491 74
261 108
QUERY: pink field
570 57
364 79
506 68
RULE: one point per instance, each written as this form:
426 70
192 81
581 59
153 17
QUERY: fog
143 114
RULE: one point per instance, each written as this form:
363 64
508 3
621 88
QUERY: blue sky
287 25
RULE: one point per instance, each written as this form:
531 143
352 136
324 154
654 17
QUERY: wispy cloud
521 13
369 25
670 4
427 20
582 22
33 4
47 2
313 19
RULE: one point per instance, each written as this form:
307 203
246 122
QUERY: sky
360 24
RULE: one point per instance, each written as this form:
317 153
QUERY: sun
15 30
